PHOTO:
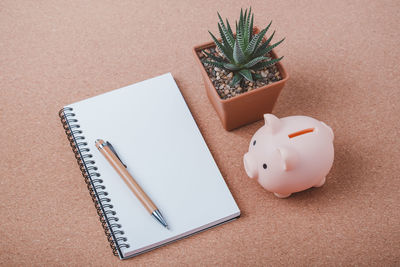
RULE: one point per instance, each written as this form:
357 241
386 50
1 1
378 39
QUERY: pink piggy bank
290 154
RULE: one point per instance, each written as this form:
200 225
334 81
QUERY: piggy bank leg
321 183
282 195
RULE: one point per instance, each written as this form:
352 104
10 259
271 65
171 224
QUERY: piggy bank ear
272 123
329 129
289 158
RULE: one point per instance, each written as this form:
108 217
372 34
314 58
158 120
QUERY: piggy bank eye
265 166
254 142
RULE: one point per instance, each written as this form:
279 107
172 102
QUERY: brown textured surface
343 60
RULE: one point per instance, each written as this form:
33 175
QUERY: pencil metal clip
115 153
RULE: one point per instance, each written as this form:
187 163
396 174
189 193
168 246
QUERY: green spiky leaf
228 35
246 74
250 48
218 59
259 36
239 37
255 42
236 78
228 47
253 62
247 27
220 46
264 64
251 27
241 17
230 30
232 67
244 19
269 25
264 45
238 54
269 48
257 76
244 27
215 64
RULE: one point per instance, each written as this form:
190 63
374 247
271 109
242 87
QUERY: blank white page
155 135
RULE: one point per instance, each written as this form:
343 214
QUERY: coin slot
305 131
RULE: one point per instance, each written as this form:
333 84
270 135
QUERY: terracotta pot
247 107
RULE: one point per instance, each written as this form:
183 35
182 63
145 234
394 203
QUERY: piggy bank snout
250 165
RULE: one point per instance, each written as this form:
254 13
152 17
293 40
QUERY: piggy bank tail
329 130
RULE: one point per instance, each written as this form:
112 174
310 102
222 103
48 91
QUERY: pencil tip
160 218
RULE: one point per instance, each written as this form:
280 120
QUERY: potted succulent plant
242 74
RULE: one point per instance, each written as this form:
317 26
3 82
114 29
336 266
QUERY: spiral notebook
155 135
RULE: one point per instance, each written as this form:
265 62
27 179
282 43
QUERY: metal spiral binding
94 184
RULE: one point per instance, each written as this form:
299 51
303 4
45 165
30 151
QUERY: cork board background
343 61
